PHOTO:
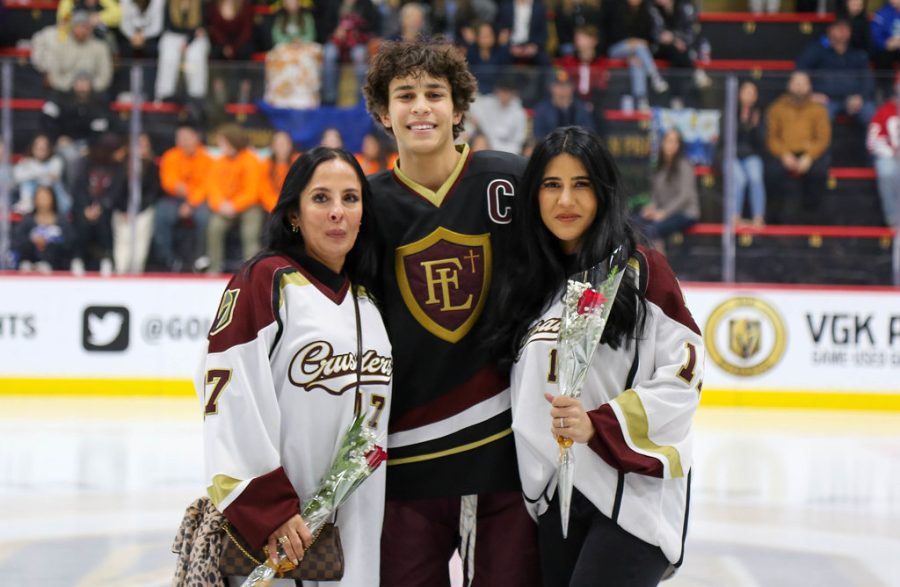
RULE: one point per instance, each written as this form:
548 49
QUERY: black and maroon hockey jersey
450 422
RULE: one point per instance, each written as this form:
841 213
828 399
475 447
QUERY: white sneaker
106 267
676 104
26 267
701 79
77 267
43 267
643 105
660 85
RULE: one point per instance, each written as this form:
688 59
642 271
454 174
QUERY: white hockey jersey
636 469
279 389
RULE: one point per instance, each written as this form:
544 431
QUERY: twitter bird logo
105 328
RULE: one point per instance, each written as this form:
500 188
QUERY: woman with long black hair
298 348
632 424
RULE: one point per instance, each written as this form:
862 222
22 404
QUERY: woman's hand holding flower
298 537
569 419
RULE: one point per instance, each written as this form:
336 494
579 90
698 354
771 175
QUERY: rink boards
767 346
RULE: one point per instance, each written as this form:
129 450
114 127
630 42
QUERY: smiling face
330 213
421 114
568 202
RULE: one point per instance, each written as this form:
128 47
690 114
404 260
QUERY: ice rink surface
93 489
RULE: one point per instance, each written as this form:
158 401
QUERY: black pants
597 553
782 204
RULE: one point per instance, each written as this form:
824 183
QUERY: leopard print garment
198 545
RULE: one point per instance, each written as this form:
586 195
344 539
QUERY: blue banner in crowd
699 130
306 126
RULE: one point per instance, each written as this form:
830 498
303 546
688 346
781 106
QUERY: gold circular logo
745 336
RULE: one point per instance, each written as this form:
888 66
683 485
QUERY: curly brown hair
434 57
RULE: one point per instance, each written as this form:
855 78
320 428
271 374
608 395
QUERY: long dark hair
536 270
673 167
361 265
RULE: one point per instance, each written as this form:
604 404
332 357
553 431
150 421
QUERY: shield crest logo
444 279
744 337
226 311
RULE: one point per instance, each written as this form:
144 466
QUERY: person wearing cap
884 145
80 53
841 75
104 15
500 117
561 108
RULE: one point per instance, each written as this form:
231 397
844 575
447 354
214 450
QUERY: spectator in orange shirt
183 171
274 169
375 155
233 195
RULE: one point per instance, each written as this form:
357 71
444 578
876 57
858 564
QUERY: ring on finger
284 540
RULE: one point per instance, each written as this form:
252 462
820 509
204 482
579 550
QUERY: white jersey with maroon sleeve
636 469
279 389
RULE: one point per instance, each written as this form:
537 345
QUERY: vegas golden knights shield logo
744 337
444 279
226 311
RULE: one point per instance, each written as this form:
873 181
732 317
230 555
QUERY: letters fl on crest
444 279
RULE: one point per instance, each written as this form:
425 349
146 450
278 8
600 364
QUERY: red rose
590 300
375 457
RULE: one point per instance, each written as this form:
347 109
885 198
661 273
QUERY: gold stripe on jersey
436 198
639 431
221 488
451 451
291 278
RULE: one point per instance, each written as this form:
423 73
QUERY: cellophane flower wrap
587 304
358 456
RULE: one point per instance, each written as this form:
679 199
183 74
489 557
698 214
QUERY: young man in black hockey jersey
452 477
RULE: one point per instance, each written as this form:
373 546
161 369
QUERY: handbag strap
358 342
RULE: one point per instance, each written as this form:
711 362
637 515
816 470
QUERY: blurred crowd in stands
539 64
